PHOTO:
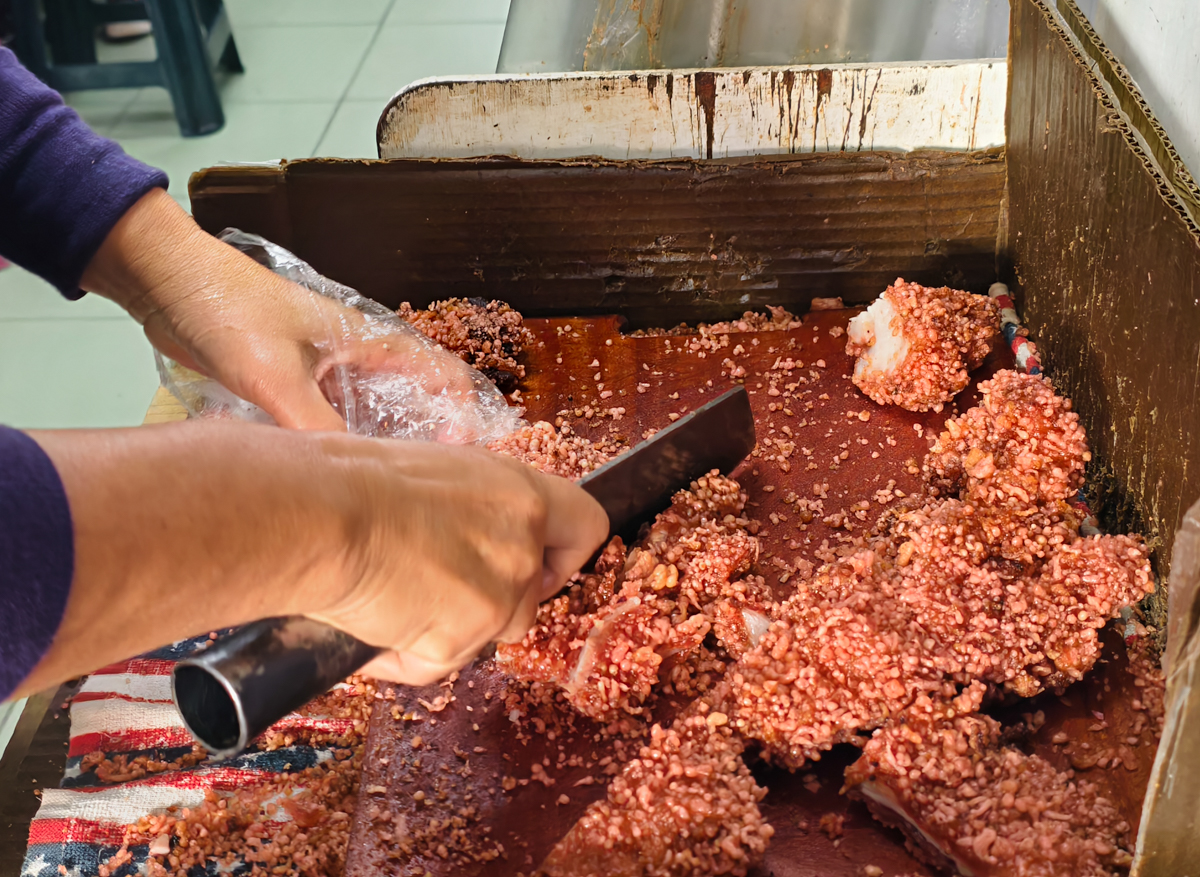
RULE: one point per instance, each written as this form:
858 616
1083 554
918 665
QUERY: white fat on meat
597 638
884 796
756 625
878 327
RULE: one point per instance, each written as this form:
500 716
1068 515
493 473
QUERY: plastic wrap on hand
454 404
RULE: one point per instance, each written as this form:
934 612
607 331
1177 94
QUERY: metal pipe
240 686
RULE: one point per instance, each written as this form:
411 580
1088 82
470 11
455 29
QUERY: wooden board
562 376
530 819
164 408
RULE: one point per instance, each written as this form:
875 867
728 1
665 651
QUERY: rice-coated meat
607 661
941 773
604 643
954 590
1021 446
738 626
827 669
686 805
555 452
916 344
489 335
864 638
1024 632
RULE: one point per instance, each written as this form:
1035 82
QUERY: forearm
184 529
428 551
156 254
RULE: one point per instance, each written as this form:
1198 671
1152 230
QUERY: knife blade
244 683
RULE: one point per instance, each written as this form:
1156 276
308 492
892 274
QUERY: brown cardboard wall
659 242
1109 269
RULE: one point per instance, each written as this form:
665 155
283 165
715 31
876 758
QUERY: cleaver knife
247 681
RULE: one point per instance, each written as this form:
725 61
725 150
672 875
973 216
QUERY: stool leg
187 71
230 59
71 31
30 42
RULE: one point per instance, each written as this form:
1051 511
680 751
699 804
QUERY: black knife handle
246 682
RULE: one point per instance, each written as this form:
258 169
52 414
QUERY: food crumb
833 825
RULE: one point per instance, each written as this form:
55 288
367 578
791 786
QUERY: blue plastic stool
193 38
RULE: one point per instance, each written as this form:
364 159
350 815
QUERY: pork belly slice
916 344
686 805
941 773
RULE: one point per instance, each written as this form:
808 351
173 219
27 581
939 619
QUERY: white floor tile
405 53
256 13
252 132
448 12
25 296
59 374
101 108
297 63
351 134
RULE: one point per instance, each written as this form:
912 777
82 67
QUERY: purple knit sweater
62 189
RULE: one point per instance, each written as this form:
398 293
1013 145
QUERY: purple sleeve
62 186
37 556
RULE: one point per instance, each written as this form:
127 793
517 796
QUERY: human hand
269 341
481 541
429 551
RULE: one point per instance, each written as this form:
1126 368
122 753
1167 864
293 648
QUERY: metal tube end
210 709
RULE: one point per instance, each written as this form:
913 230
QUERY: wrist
353 520
139 263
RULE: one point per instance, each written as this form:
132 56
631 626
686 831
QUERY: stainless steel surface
244 683
544 36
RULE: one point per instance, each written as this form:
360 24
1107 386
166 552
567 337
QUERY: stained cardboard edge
257 194
1129 112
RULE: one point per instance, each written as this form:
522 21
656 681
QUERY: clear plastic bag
415 390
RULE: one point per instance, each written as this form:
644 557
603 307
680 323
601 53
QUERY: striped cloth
126 709
1023 349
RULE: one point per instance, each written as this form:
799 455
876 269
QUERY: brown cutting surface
462 756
